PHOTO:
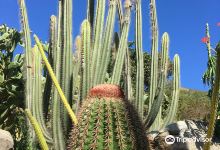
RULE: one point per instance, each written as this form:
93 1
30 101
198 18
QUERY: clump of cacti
105 113
107 121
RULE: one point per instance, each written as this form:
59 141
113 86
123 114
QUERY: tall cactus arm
154 52
122 45
156 105
27 62
38 99
90 11
208 76
37 129
57 130
127 76
128 84
27 69
52 60
175 95
76 77
86 59
53 77
109 30
67 55
139 103
208 44
98 30
214 101
120 13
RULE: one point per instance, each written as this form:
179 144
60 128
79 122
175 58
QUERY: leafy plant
12 87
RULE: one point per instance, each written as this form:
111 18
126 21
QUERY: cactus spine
214 101
106 121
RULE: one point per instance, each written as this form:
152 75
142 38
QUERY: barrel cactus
107 121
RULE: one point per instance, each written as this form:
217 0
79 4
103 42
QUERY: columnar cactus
107 121
118 67
214 101
140 63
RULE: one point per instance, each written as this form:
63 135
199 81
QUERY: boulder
177 128
182 135
6 140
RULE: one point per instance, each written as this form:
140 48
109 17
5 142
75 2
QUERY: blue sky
184 20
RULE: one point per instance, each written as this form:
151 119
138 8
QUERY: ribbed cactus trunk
37 107
67 56
76 74
27 71
154 52
170 118
153 119
107 121
118 67
139 103
57 130
106 47
97 40
85 58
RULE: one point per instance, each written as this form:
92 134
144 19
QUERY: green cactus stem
66 55
107 121
154 51
53 77
37 130
116 76
37 88
106 48
175 95
57 130
214 101
97 40
85 58
159 95
90 11
27 69
140 63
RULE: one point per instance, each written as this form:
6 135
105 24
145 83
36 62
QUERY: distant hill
193 104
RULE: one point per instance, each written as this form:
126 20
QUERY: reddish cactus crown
106 90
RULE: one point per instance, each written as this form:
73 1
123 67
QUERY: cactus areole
107 121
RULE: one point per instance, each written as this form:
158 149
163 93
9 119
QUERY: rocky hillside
193 105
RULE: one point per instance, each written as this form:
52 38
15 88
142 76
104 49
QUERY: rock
183 135
6 140
176 128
